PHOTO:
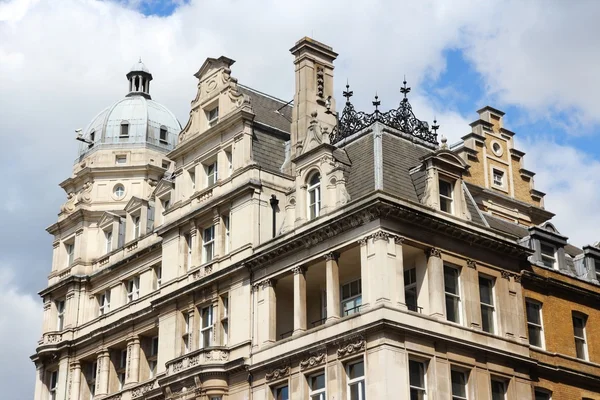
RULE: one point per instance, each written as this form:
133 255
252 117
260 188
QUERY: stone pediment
211 65
107 219
134 204
163 187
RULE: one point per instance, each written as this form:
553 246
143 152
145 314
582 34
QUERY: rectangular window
124 130
445 196
208 244
108 241
188 250
163 135
70 247
548 253
486 299
351 297
90 377
316 387
120 160
186 333
534 323
213 116
211 174
579 322
281 393
133 289
153 357
206 327
136 227
225 319
542 395
356 381
226 235
60 315
459 385
104 303
498 390
53 384
410 289
498 177
229 163
416 375
158 275
122 366
452 293
192 176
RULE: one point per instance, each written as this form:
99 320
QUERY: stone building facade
274 251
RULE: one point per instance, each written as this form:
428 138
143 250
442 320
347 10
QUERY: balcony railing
211 355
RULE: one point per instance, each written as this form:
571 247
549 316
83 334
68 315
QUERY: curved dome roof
132 121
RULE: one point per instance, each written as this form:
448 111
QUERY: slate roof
268 150
361 178
265 108
507 227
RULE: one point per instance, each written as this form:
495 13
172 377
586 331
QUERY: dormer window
124 129
446 197
213 116
163 135
314 196
108 241
548 254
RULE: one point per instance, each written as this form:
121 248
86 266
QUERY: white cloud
20 327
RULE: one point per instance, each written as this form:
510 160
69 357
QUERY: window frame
207 334
355 299
544 392
52 384
419 389
104 303
122 367
276 388
313 208
465 384
137 221
488 306
411 287
582 339
225 319
189 243
359 381
445 198
70 251
212 116
208 242
212 173
321 393
500 173
158 276
60 313
124 129
226 232
186 335
504 387
545 257
153 357
455 296
163 138
533 325
229 157
108 235
90 377
133 289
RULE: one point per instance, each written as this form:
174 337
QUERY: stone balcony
127 250
135 392
213 356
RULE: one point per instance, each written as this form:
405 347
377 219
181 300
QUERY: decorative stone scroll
380 235
216 355
277 373
505 274
355 346
435 252
298 270
332 256
471 263
313 361
141 390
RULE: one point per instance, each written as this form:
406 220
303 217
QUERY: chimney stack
314 85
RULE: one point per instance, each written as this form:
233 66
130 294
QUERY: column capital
300 269
267 283
471 263
435 252
363 241
74 365
332 256
380 235
398 239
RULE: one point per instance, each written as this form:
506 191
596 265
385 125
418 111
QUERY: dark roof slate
507 227
268 150
361 177
266 109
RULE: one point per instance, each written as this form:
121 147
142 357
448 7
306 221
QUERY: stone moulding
356 346
312 361
197 358
277 373
141 390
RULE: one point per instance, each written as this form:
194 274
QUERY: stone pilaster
267 311
75 380
435 277
299 300
332 276
103 365
132 373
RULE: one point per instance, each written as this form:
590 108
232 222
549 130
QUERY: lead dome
134 120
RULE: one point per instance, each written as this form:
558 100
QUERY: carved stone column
132 373
75 380
435 277
103 364
268 309
333 286
299 300
364 272
39 381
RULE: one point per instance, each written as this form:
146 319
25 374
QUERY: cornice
75 217
548 283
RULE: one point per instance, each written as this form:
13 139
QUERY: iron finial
348 93
435 126
404 89
376 103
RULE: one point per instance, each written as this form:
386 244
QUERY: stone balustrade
213 355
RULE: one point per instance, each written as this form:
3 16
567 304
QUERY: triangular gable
163 187
213 64
135 203
107 219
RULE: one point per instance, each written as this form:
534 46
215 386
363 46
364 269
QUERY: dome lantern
139 78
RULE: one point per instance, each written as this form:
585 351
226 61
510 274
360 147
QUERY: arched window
314 195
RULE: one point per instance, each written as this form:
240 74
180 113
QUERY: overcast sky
63 61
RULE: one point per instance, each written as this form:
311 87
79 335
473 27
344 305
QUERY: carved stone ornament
320 81
267 283
216 355
298 270
380 235
435 252
313 361
207 269
352 348
517 278
277 373
333 256
471 263
363 241
141 390
505 274
398 239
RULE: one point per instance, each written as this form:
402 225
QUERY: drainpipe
274 202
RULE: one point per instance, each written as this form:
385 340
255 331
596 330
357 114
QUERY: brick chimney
314 85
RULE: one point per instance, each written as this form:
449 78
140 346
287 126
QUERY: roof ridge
265 94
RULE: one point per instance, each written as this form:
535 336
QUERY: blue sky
61 62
